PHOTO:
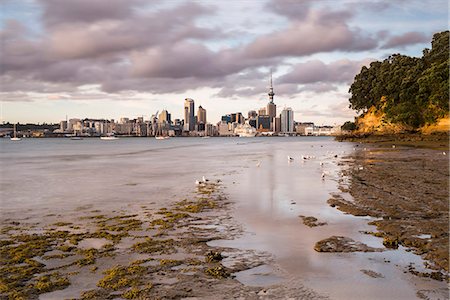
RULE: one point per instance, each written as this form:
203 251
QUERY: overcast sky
130 58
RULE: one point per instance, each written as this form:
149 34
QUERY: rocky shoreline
156 254
406 189
174 260
437 140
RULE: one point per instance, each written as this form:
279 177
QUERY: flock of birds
202 181
303 159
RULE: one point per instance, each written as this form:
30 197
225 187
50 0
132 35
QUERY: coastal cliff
403 94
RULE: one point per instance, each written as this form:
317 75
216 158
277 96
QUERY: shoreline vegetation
403 99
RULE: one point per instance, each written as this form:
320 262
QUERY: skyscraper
189 120
164 117
201 115
287 120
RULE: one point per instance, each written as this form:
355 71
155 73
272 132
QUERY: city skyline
130 58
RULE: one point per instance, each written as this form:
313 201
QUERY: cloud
290 9
318 88
86 11
319 31
406 39
131 45
338 109
316 71
104 36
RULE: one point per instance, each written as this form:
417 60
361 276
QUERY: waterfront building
287 120
277 125
189 120
252 122
237 117
300 128
226 119
63 126
201 115
263 123
73 124
124 120
224 129
210 130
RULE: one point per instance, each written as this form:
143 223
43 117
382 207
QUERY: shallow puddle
259 276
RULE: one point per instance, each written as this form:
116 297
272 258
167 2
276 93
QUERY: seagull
444 153
361 168
197 182
323 175
393 146
290 158
204 179
258 163
321 164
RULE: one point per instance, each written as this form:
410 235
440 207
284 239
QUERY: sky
131 58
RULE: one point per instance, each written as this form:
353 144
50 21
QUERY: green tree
416 90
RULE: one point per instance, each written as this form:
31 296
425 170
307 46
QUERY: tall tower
271 93
189 120
271 107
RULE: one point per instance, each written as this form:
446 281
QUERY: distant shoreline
135 136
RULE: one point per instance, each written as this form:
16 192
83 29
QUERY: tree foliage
349 126
411 91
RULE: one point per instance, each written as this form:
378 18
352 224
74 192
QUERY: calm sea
58 176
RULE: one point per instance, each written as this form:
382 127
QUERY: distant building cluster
264 122
267 122
160 124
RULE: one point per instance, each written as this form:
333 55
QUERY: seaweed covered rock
343 244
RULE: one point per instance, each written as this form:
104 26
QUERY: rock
343 244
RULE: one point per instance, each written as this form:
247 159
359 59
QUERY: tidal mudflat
96 221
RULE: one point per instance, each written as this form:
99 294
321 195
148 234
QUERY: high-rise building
189 120
63 125
277 125
252 114
237 117
263 123
262 111
164 117
287 120
201 115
